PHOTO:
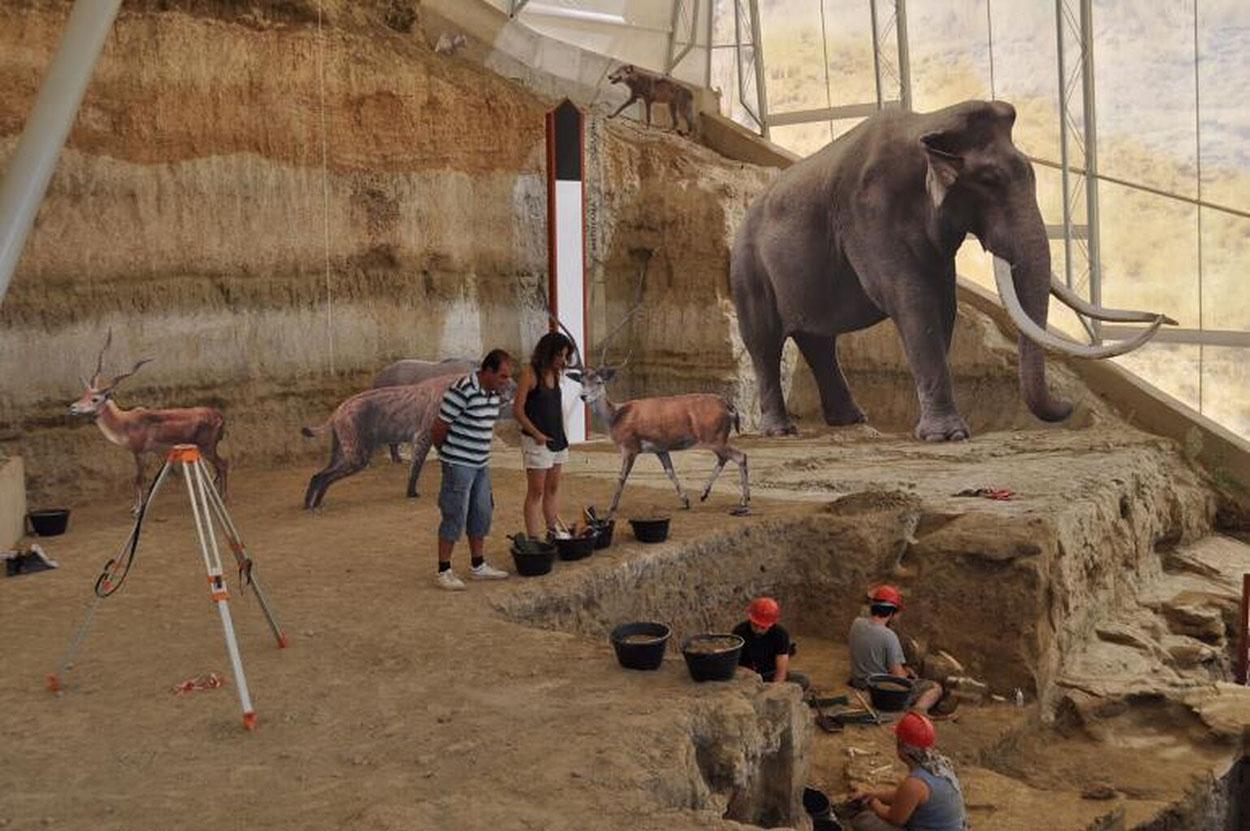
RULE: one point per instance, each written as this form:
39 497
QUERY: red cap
764 611
887 595
915 730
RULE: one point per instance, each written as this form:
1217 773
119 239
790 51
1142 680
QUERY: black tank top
545 408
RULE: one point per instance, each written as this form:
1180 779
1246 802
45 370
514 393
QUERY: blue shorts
466 501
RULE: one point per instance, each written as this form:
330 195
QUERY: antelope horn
1078 304
1063 345
99 361
577 353
118 379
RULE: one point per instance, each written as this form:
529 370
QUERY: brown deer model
143 431
651 88
661 425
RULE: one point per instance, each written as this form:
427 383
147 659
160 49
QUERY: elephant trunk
1030 279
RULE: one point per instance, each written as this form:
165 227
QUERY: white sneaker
449 581
485 572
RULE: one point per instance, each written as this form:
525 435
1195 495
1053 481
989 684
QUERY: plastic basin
576 548
535 562
712 656
640 645
49 523
889 692
651 529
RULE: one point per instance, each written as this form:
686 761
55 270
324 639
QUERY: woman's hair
548 348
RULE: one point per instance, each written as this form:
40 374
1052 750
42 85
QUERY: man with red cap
875 649
766 644
929 799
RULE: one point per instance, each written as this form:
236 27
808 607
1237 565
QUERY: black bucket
816 803
712 656
889 692
576 548
49 523
534 561
605 528
650 530
640 645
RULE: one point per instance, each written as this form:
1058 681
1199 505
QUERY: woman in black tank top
539 410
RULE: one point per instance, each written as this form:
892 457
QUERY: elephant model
868 227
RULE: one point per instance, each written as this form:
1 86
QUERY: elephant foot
949 427
774 426
845 415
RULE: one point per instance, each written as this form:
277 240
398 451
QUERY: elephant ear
944 166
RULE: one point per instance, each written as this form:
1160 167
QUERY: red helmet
887 595
764 611
915 730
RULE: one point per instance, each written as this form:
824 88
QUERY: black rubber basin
640 645
604 528
712 656
49 523
576 548
889 692
535 561
650 529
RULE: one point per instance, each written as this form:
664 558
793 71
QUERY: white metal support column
1080 240
750 68
31 166
683 33
889 73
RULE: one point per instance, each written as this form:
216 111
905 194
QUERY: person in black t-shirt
766 645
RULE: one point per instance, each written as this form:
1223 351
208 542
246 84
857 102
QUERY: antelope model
143 431
660 425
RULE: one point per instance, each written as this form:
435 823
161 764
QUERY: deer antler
99 361
644 254
119 378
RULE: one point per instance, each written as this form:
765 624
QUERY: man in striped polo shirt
462 433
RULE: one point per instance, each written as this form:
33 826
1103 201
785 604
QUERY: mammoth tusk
1063 345
1079 304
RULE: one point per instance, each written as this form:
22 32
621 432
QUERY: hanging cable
1198 167
325 185
989 28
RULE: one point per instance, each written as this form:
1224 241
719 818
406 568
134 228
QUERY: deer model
660 425
386 415
143 431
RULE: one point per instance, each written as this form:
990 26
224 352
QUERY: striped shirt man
470 413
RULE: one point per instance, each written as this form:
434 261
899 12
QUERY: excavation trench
1018 597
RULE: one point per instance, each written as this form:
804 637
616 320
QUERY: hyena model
651 88
413 371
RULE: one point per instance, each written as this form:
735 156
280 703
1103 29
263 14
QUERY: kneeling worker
875 650
929 798
766 649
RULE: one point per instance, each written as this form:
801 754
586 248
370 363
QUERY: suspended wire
1198 166
989 28
325 185
824 45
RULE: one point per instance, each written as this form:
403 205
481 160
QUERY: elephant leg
836 402
763 336
667 461
924 320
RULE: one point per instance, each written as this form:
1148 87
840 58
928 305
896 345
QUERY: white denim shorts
537 457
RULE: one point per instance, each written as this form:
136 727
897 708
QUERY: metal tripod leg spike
206 504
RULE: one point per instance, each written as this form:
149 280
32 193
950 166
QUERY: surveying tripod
206 504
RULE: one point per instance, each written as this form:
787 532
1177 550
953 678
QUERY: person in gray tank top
929 799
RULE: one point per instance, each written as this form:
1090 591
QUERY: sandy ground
402 706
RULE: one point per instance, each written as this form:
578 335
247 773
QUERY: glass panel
949 51
1224 75
803 139
1144 77
1225 270
1024 73
794 53
1226 387
1172 367
1149 253
848 31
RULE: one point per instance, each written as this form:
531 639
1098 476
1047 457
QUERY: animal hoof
945 428
685 504
740 510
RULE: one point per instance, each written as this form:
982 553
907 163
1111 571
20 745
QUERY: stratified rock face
276 204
